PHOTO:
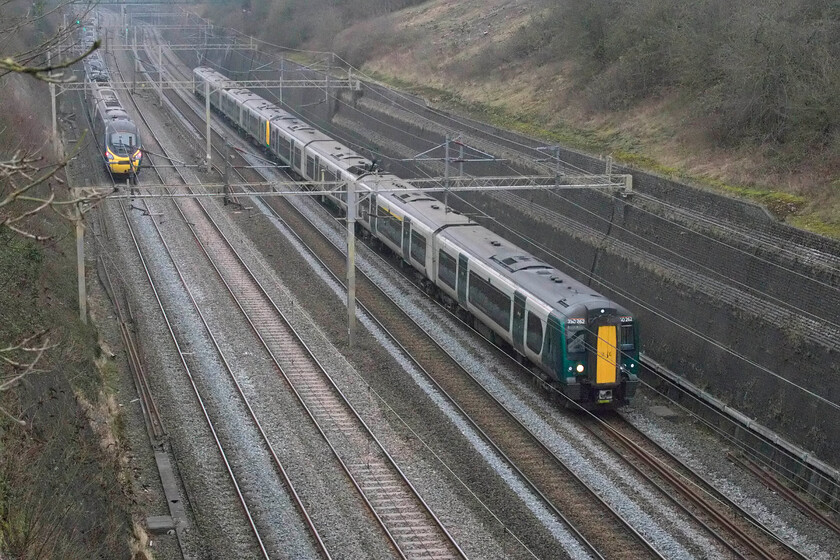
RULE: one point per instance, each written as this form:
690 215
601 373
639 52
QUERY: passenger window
389 226
490 300
446 269
535 333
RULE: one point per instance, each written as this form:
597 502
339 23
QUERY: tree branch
42 72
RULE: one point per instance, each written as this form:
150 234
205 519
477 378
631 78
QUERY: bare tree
29 180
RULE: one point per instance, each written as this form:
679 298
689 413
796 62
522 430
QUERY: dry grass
61 494
453 49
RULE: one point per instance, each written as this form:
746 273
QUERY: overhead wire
711 271
597 279
722 433
658 312
594 277
653 309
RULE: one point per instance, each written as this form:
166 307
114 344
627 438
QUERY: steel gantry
356 193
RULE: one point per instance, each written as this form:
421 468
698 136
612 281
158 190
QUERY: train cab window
576 341
534 334
418 247
490 300
120 142
310 167
628 338
446 269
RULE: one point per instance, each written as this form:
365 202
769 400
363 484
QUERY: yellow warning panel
607 355
267 132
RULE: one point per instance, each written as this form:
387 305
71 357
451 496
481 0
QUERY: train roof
343 157
122 126
558 290
210 74
429 211
319 143
561 292
117 115
564 294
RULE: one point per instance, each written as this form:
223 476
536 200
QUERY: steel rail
710 488
649 547
400 543
196 390
303 388
770 481
707 485
148 406
698 493
187 369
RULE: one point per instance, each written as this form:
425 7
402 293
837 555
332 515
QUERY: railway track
556 484
461 395
430 364
412 527
191 365
745 536
634 547
751 538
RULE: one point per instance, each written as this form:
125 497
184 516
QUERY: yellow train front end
123 151
123 165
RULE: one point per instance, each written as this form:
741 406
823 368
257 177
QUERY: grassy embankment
734 96
62 487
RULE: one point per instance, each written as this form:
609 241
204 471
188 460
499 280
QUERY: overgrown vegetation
764 72
740 82
61 493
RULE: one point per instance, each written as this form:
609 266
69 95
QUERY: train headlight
137 155
579 368
109 155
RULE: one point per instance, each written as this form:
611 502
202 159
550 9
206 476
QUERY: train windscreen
120 142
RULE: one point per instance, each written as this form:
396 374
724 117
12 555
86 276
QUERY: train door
406 238
372 211
605 371
554 346
518 321
462 279
603 362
